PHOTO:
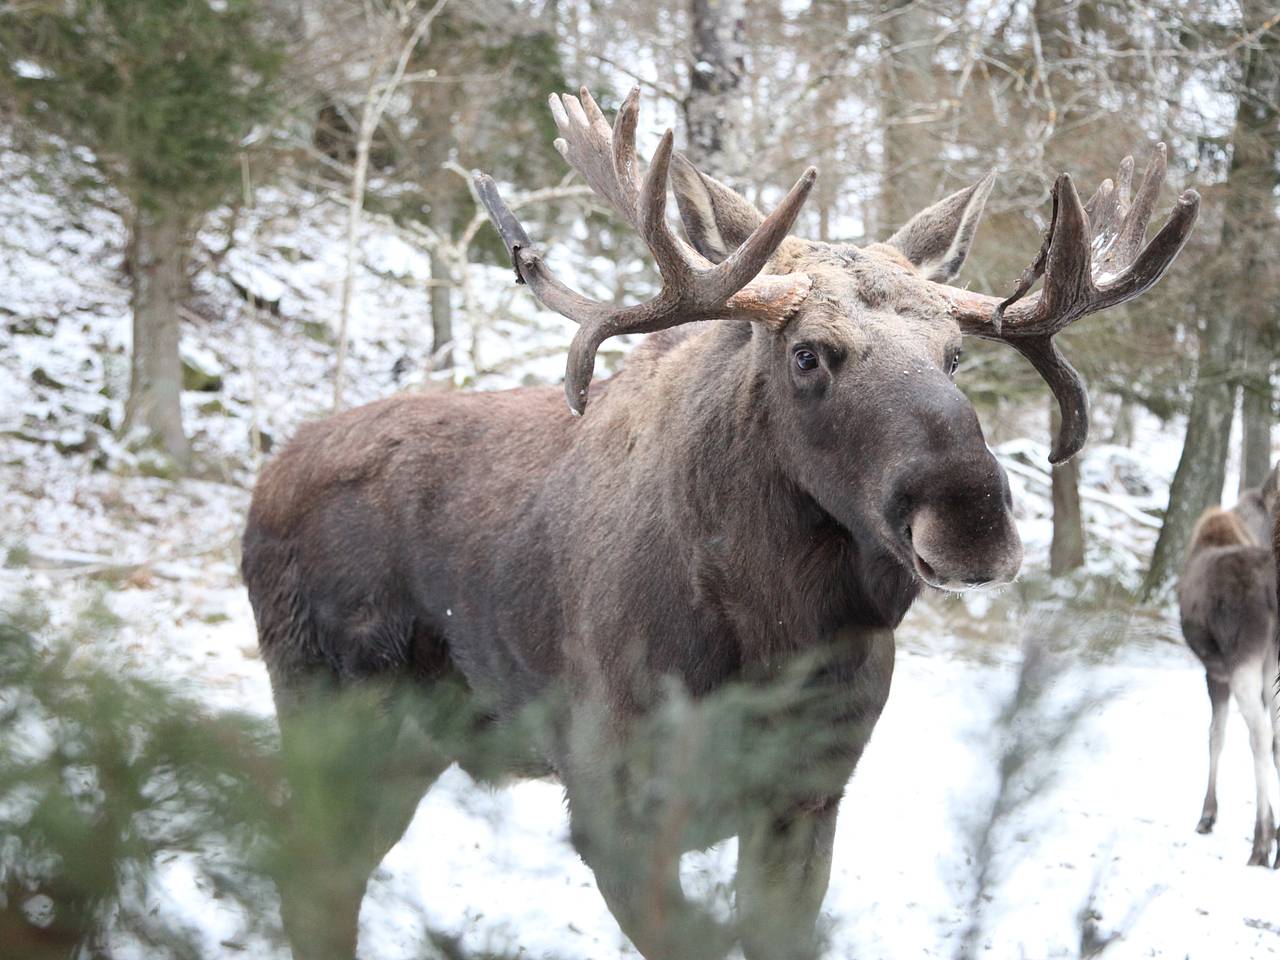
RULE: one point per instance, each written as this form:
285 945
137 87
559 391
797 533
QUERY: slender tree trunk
1054 27
158 250
827 19
715 101
355 214
1122 427
1066 551
1257 150
1248 240
908 95
442 289
1202 468
1255 413
441 313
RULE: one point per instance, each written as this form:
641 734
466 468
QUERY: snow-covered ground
1117 820
83 523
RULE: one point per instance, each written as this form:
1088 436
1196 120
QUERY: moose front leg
784 865
644 895
784 860
633 847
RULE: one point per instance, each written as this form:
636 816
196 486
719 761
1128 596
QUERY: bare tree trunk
1248 238
1202 468
441 313
158 248
1255 413
1066 551
715 101
355 210
909 98
1053 34
1257 151
1123 425
827 19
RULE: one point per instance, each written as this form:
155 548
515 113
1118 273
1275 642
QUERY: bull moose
778 469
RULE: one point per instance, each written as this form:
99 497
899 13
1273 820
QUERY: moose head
855 347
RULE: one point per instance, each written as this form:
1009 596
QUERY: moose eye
806 360
955 363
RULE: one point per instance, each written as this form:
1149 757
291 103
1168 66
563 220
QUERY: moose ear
937 239
716 219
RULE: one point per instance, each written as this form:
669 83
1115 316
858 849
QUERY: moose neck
767 544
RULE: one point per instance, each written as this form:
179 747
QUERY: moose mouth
930 576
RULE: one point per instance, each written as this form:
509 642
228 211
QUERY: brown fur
1219 528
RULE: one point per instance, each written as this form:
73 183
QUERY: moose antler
1092 258
692 287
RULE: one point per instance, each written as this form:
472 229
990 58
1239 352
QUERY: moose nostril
926 570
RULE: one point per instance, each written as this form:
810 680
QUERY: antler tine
1068 389
668 252
1066 267
749 259
1101 207
1124 180
623 139
598 123
1106 207
529 266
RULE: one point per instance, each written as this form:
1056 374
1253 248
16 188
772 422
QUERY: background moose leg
1247 686
1219 697
784 862
1271 703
